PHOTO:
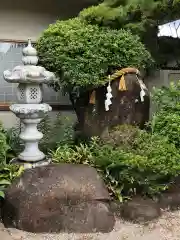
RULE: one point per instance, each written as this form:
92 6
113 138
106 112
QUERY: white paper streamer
143 88
108 101
142 94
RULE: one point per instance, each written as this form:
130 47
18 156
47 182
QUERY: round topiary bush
82 54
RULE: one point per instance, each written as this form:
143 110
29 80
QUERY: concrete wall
23 19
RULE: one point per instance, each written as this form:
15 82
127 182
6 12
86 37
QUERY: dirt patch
165 228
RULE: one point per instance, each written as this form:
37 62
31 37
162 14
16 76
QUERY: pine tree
141 17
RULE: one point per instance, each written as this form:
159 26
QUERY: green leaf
5 182
2 194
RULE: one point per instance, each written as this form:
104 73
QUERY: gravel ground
165 228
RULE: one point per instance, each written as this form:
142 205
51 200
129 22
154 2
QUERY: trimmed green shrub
120 136
141 17
168 125
82 54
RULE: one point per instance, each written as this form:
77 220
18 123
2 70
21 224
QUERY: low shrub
167 124
120 136
167 98
166 120
146 166
8 172
55 133
4 147
14 142
82 154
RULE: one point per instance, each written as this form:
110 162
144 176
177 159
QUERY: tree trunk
80 105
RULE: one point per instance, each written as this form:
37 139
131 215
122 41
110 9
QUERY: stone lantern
30 108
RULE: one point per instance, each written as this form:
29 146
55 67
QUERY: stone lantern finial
30 55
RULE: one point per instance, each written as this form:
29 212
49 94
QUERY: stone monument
30 108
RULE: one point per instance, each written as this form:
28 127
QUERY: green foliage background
166 120
141 17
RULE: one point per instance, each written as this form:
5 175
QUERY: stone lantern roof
29 72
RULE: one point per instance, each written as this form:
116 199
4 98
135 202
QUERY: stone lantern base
28 165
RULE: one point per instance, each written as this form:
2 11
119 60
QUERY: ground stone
58 198
140 210
170 201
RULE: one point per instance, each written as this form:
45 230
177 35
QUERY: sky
170 29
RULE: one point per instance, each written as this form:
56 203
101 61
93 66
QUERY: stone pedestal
30 115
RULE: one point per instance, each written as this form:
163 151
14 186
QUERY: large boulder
127 106
58 198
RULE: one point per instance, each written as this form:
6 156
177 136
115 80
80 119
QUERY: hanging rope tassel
92 99
122 84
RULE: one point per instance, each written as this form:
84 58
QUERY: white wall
21 25
23 19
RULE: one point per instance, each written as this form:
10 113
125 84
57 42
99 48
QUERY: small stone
170 200
116 208
140 210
